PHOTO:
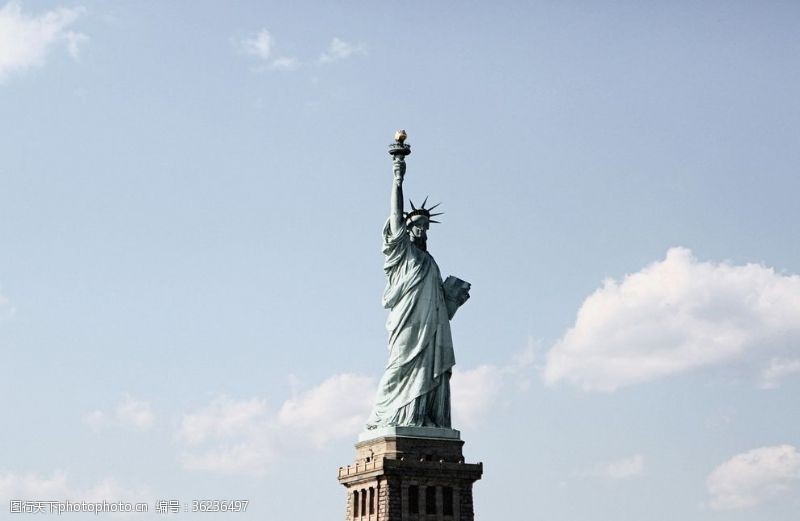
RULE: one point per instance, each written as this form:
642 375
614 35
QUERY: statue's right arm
396 215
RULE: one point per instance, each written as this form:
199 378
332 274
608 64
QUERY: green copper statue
415 388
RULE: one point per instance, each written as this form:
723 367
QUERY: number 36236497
220 505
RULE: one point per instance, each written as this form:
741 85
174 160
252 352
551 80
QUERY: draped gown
415 388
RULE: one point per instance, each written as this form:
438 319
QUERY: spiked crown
416 213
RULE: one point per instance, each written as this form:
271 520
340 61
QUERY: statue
415 388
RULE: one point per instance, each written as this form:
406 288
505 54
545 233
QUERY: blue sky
191 200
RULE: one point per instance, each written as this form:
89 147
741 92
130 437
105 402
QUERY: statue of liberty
415 387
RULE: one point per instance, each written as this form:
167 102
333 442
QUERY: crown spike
420 211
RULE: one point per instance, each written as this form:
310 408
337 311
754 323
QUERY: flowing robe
415 388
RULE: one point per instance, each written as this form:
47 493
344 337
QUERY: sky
191 203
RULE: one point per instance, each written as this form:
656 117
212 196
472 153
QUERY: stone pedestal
410 474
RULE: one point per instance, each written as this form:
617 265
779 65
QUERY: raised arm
396 215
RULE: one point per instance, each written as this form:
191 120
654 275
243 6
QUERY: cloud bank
677 315
476 392
755 477
336 408
129 412
242 437
245 437
26 40
57 487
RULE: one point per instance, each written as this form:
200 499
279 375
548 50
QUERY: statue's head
418 229
418 220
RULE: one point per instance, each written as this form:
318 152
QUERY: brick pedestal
408 478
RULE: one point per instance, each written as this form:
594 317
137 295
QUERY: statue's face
419 230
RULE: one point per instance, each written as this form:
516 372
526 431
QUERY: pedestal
410 474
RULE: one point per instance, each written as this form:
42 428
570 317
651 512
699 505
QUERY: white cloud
25 40
32 486
129 412
284 64
56 487
135 413
222 418
74 41
340 50
754 477
252 456
474 392
233 437
240 437
258 45
261 46
674 316
109 489
336 408
96 420
244 437
618 469
777 370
